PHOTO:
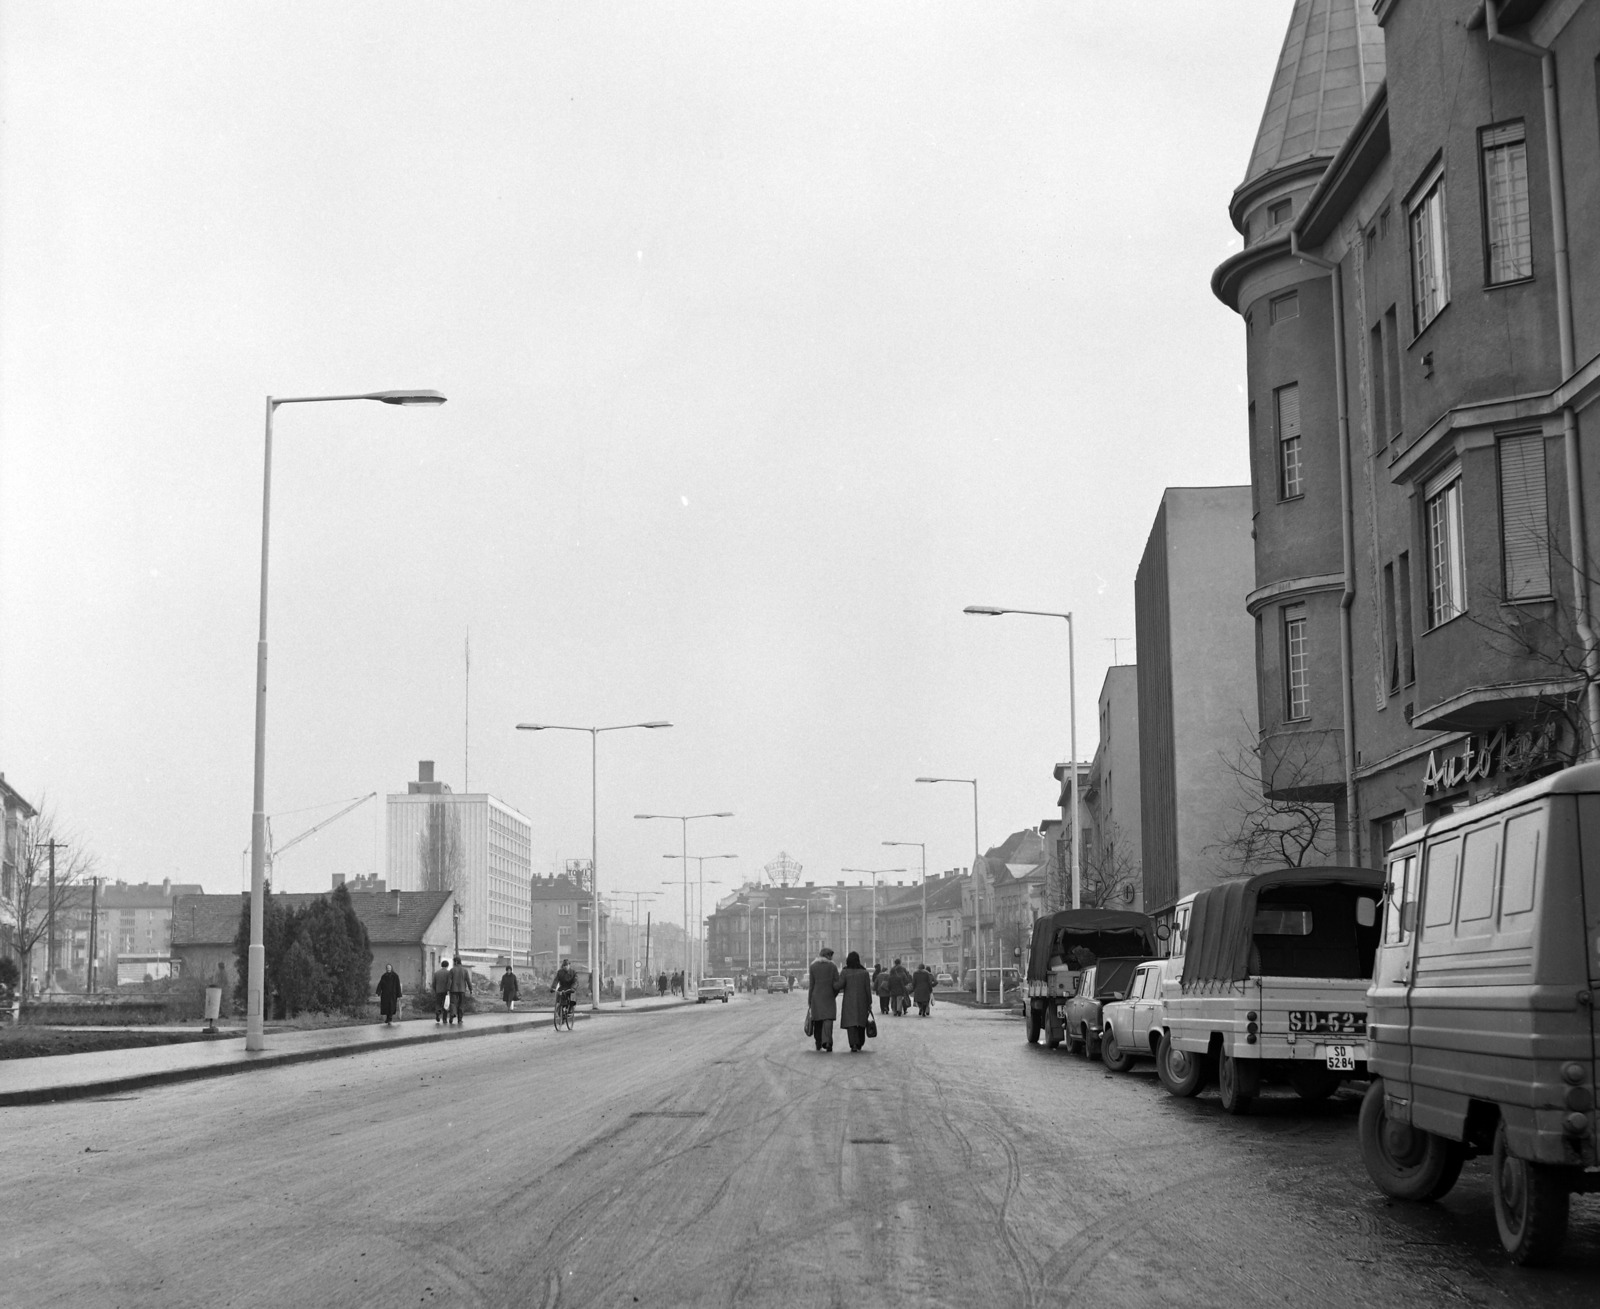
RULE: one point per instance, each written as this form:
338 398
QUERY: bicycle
566 1006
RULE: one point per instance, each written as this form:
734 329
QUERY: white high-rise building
472 844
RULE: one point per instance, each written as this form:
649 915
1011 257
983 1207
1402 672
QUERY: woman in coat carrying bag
819 998
855 1009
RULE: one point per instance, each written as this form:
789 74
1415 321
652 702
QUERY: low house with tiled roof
410 929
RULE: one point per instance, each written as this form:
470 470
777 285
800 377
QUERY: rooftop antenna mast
466 744
1114 642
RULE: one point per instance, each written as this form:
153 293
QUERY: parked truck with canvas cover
1482 1008
1066 943
1268 982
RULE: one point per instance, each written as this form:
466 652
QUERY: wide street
707 1156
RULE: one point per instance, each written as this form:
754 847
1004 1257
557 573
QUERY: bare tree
44 901
439 852
1276 829
1109 877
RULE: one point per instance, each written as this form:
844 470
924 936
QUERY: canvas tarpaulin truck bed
1104 932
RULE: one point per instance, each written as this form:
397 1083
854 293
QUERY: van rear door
1589 839
1389 996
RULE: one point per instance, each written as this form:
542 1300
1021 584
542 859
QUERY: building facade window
1285 306
1507 231
1430 285
1408 658
1447 562
1391 640
1524 516
1291 483
1296 675
1280 211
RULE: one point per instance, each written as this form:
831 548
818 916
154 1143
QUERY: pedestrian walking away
441 991
922 989
820 992
509 990
661 983
460 989
899 989
854 987
880 987
389 993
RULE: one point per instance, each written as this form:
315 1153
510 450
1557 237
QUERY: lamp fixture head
987 611
409 397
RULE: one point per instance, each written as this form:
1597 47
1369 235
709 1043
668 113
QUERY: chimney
810 885
338 880
394 903
166 887
424 770
840 884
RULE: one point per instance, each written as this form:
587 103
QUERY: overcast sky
773 335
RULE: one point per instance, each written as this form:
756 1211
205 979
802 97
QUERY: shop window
1430 285
1524 516
1291 483
1507 231
1296 674
1447 563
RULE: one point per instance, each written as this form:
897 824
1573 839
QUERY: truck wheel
1530 1205
1111 1052
1053 1032
1034 1025
1182 1073
1404 1161
1313 1082
1235 1086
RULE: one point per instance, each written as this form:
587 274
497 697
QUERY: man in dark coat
441 991
899 989
880 987
389 993
819 997
661 983
460 989
509 990
922 989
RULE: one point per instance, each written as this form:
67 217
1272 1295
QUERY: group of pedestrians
452 984
854 987
674 984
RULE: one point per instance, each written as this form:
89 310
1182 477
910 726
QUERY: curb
139 1081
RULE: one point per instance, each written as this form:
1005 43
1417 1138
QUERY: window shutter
1288 411
1524 516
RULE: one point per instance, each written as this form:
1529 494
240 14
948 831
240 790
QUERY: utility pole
94 920
647 945
52 845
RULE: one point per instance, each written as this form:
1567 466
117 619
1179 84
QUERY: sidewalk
75 1076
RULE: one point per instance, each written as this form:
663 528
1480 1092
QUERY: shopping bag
872 1027
808 1025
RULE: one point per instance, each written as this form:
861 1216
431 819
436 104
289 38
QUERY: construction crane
274 851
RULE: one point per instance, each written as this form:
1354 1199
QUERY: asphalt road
707 1156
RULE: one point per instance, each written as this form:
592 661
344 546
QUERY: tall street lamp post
874 874
685 819
922 846
255 985
594 834
977 904
700 860
989 611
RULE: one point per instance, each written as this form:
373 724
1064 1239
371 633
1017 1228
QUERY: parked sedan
1126 1024
1098 985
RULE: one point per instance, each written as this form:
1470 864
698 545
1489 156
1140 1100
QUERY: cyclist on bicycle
564 985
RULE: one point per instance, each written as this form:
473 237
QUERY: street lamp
700 859
594 835
685 819
923 847
977 904
874 874
989 611
255 986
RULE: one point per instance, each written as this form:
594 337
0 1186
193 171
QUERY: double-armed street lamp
685 819
874 874
922 846
256 968
594 834
700 860
989 611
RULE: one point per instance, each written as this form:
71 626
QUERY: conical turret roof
1331 63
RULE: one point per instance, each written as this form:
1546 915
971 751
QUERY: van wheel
1182 1073
1235 1087
1111 1052
1530 1205
1404 1161
1034 1025
1313 1082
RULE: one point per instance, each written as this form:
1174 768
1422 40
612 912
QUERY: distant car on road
777 982
714 988
944 979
